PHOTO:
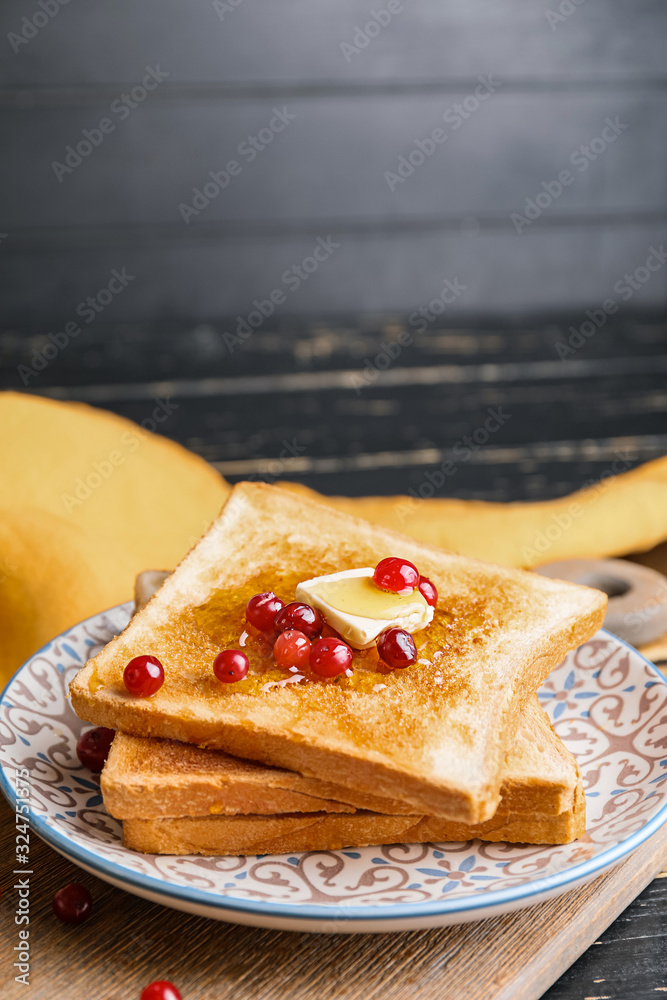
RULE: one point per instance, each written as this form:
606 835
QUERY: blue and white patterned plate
607 703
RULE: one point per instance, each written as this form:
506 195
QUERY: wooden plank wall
223 68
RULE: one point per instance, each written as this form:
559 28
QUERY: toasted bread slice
149 778
433 735
540 773
329 831
154 778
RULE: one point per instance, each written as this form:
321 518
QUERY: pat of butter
359 611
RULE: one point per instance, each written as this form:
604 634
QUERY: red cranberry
161 990
397 648
93 748
428 591
262 609
230 666
330 657
396 575
301 618
292 649
73 904
144 676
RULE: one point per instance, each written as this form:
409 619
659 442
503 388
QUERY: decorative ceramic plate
607 703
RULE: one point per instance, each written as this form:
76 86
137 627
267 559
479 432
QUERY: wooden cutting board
129 942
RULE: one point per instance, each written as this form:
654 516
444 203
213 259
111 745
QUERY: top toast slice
433 735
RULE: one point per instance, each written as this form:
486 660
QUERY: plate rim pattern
464 904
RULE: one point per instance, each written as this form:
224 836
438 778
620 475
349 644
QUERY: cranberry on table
262 609
330 657
300 617
397 648
73 904
396 575
292 649
93 747
428 591
144 676
230 665
161 990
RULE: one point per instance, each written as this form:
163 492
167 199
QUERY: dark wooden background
324 175
292 382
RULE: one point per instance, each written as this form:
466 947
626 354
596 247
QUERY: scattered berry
93 748
397 648
144 676
73 904
396 575
428 591
301 618
330 657
230 666
161 990
292 649
262 609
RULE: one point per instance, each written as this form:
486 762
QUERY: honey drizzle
189 642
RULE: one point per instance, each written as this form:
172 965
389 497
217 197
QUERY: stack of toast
453 747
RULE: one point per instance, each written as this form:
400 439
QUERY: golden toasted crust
540 776
329 832
438 745
148 778
152 778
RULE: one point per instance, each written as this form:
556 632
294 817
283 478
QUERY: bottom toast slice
330 831
151 778
174 798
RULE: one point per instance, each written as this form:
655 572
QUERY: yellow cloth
616 513
87 501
